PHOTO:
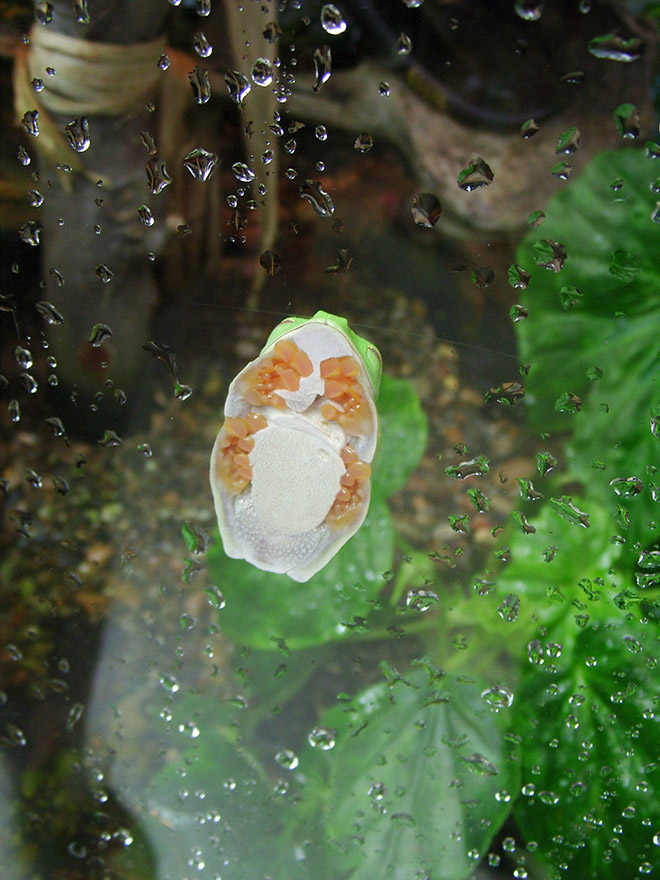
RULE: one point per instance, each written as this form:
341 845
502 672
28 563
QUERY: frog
290 469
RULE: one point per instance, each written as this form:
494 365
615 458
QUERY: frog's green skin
369 354
274 523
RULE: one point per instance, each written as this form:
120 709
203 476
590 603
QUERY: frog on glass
291 465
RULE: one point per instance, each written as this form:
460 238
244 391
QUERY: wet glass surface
468 688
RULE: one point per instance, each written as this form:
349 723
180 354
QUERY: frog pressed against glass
291 465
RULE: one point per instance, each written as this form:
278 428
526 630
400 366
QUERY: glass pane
373 592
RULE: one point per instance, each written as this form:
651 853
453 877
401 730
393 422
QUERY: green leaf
262 609
590 752
403 434
562 570
413 780
602 228
610 333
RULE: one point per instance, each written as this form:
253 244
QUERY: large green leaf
606 347
601 226
591 752
411 786
402 435
563 569
262 608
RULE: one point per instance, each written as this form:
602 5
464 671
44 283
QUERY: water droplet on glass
614 47
148 142
476 175
287 759
215 597
23 357
30 122
426 209
545 462
38 84
529 10
377 791
23 156
44 13
77 134
242 172
421 599
565 508
626 119
103 273
625 266
169 683
475 467
508 393
384 90
110 439
157 176
332 20
509 608
272 32
312 191
569 296
189 728
322 66
30 232
35 198
363 143
61 486
568 142
56 426
164 62
568 402
413 4
549 255
201 45
262 72
529 128
145 215
535 652
321 133
270 262
404 44
562 170
100 332
29 383
199 82
518 277
627 487
14 410
200 163
15 735
480 765
518 313
74 716
49 313
237 84
498 698
322 738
